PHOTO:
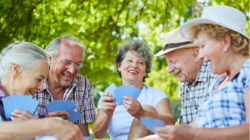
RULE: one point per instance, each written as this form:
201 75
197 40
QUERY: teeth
133 72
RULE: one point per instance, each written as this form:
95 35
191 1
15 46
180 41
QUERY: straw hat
225 16
173 41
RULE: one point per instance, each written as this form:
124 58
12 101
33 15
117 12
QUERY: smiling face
29 82
211 50
184 64
132 68
62 74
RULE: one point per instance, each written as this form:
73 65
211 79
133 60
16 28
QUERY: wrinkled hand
61 114
64 130
133 107
19 115
176 132
107 104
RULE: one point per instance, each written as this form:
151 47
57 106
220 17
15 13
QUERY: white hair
24 54
53 48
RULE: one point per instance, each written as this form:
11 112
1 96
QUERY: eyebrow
70 61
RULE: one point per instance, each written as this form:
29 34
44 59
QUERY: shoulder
153 91
82 79
246 67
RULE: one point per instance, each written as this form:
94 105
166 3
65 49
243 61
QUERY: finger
106 94
14 119
24 113
110 104
127 102
62 114
108 108
127 107
108 99
128 98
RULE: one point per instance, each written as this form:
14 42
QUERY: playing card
74 116
70 106
151 124
58 105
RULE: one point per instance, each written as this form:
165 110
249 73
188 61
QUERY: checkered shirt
225 108
192 95
79 92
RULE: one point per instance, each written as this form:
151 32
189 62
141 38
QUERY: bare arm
104 115
163 110
84 129
20 130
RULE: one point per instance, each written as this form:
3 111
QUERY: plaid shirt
192 95
41 111
79 92
225 108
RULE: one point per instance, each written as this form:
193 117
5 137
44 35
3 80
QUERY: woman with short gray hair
133 61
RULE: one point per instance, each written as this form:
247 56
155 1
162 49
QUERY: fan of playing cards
125 90
21 102
68 106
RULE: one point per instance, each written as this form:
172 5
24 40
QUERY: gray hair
137 46
23 54
53 48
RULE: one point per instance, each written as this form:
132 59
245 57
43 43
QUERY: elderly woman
133 61
23 68
220 33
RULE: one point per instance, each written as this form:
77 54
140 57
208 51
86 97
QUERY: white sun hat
225 16
174 41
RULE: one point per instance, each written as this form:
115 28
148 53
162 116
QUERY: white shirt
121 120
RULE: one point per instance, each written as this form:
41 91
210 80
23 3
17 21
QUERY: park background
102 25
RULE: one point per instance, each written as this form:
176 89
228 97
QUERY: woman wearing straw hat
220 33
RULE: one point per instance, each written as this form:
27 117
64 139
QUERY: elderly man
66 54
195 75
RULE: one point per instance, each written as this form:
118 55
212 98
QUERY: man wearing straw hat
195 75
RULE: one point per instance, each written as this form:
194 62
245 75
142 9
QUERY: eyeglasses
68 64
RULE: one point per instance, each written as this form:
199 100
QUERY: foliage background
102 25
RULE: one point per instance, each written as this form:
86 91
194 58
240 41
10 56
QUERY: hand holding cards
21 102
68 106
125 90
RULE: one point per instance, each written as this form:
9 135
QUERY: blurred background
102 25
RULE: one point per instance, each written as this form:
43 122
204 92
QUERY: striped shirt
79 92
225 108
192 95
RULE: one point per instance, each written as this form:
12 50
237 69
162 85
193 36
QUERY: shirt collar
203 74
73 83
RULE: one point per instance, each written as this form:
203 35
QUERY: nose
134 64
40 86
72 69
201 55
170 68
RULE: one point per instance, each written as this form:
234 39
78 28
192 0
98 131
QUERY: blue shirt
225 107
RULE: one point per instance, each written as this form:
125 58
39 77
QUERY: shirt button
195 108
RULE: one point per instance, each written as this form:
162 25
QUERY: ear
50 59
226 42
119 68
16 70
195 54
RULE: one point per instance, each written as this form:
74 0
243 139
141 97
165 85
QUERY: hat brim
185 27
162 52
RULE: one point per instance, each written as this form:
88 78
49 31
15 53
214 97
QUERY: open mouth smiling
131 71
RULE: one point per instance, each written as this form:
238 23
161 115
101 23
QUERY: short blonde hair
240 43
